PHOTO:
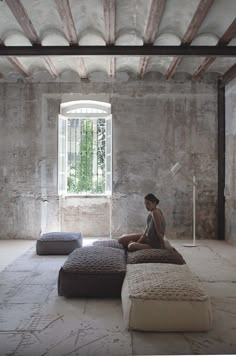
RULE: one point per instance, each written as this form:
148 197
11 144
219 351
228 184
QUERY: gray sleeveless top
153 235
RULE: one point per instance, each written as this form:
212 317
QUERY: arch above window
85 108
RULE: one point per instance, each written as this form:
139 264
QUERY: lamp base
189 245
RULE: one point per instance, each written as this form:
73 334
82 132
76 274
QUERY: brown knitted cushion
93 271
155 255
109 243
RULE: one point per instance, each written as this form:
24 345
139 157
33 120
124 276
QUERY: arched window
85 148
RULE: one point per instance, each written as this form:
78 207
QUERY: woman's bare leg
125 240
135 246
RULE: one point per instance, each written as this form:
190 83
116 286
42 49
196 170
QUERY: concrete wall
155 124
230 163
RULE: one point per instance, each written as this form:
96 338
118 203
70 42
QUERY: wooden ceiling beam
110 28
198 18
112 67
110 21
16 63
154 20
203 67
64 10
142 66
153 23
229 34
172 67
23 20
50 67
81 67
1 44
229 75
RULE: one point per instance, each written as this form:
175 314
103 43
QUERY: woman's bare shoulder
157 212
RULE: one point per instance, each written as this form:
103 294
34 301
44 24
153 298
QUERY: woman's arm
143 237
156 215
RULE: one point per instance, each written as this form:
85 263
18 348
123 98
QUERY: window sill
86 196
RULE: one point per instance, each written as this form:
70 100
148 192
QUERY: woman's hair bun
151 197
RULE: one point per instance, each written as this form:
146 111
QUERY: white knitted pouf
164 297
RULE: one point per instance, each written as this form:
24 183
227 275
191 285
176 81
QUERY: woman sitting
153 236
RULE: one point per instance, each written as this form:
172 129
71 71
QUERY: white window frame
65 114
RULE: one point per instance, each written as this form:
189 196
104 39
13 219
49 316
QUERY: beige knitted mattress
164 297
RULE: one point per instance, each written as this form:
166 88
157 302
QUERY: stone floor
11 249
34 320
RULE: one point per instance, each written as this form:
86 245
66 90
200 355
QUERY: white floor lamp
177 169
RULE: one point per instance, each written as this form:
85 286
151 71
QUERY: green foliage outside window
86 156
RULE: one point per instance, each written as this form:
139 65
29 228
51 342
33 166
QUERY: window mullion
74 149
86 144
81 158
97 153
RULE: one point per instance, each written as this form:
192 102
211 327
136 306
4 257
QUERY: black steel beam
146 50
221 162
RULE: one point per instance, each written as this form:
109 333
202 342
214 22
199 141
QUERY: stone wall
155 124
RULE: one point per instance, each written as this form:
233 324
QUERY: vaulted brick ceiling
38 24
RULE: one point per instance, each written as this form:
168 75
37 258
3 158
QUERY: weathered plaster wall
230 163
89 215
155 124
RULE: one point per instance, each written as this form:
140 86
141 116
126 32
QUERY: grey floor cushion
93 271
109 243
58 243
153 255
